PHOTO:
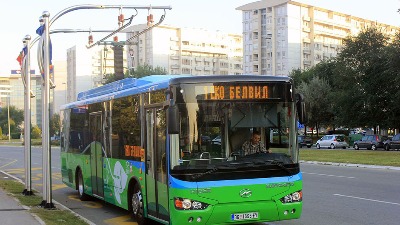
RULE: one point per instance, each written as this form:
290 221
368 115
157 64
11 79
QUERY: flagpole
27 117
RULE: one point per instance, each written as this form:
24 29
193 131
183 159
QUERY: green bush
15 135
55 143
36 132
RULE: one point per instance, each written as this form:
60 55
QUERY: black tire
137 206
81 187
356 147
332 146
318 146
387 147
373 147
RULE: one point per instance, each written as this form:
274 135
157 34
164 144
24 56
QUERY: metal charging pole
27 118
46 165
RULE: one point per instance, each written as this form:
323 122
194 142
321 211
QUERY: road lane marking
8 164
329 175
120 220
88 204
366 199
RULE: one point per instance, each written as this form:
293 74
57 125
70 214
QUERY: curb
61 205
352 165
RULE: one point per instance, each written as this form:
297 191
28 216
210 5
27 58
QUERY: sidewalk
11 212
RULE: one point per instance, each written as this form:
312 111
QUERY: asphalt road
332 194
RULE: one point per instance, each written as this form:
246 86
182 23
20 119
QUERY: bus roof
131 86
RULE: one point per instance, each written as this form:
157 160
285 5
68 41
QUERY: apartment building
282 35
87 68
185 50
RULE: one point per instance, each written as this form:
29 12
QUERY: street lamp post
8 112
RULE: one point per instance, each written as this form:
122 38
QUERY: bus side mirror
301 108
173 119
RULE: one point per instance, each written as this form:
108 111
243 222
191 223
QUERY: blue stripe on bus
175 183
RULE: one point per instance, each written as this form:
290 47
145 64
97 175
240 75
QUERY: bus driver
254 145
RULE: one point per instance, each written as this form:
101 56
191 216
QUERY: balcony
306 18
175 66
307 29
174 57
306 51
306 40
173 47
174 38
307 62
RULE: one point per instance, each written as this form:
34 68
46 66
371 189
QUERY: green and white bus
169 148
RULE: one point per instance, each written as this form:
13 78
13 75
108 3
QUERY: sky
21 17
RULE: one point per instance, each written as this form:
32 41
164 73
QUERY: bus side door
96 153
156 165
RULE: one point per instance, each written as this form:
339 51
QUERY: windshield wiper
280 165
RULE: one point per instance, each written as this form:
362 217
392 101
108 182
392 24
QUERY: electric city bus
169 148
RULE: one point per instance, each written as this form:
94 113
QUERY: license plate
245 216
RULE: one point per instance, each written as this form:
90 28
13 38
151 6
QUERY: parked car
55 138
392 143
216 140
332 141
205 140
370 142
304 141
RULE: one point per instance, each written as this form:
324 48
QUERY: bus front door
156 173
96 153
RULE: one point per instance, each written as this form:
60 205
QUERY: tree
317 97
362 74
139 72
55 124
364 80
393 114
16 118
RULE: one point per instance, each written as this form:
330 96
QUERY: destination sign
134 151
236 92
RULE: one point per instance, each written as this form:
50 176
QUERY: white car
332 141
216 141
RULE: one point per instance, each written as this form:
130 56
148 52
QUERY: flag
40 32
20 57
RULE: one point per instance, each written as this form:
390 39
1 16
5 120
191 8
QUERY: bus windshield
218 132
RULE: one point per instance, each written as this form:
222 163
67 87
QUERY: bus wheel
137 205
81 188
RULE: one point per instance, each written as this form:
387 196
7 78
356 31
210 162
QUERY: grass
382 158
49 216
34 142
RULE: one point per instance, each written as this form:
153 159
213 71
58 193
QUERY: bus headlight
188 204
293 197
